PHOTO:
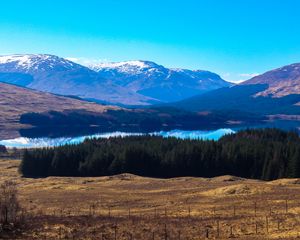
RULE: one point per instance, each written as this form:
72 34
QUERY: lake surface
23 142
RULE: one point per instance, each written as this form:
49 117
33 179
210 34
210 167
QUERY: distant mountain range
125 83
160 83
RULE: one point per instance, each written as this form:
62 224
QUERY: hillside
158 82
16 101
272 93
242 98
281 82
56 116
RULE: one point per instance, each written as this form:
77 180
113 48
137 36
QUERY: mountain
16 101
272 93
57 75
281 82
124 83
156 81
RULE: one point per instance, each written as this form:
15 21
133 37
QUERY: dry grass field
131 207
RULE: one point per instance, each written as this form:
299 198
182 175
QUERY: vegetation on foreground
260 154
127 207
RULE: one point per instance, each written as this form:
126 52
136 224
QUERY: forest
260 154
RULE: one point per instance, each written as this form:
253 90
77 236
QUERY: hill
59 116
16 101
281 82
242 98
272 93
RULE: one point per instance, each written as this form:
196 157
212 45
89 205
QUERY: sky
234 38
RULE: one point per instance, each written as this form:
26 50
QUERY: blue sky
235 38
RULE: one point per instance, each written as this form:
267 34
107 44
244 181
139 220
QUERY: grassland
131 207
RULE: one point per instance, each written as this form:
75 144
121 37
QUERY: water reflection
25 142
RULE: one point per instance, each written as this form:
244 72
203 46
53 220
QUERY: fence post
234 210
267 224
115 229
166 233
60 234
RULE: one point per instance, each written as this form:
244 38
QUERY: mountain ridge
50 73
123 83
156 81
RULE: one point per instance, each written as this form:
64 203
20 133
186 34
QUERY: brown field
131 207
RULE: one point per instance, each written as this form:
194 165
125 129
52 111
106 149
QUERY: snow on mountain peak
34 61
126 66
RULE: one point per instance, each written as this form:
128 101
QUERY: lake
25 142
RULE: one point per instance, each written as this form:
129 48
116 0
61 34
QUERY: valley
149 120
127 206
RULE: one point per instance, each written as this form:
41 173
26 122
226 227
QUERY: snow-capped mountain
158 82
57 75
35 62
126 83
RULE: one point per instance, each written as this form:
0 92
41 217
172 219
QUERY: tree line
261 154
